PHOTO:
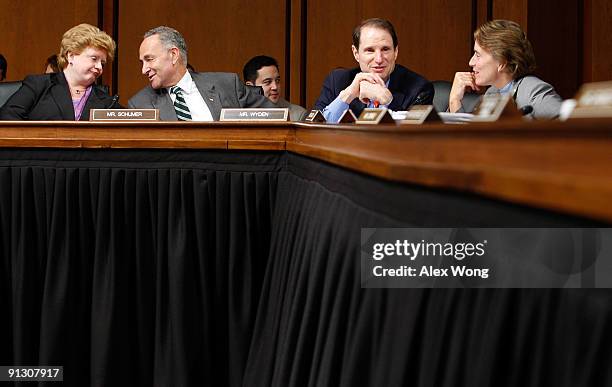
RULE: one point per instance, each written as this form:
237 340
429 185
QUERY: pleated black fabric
189 268
317 327
129 272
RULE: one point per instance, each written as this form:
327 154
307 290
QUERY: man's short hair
52 61
169 37
382 24
3 65
249 72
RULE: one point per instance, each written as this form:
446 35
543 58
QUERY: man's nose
379 56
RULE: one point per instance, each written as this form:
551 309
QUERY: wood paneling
32 30
554 30
220 35
483 8
434 36
108 23
515 10
297 53
598 40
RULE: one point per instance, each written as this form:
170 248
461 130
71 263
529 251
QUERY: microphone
527 109
114 101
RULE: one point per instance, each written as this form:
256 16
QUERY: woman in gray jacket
504 60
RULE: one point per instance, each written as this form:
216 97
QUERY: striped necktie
180 106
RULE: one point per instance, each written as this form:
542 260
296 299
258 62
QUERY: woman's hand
463 81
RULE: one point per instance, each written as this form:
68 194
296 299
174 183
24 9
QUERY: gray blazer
296 112
219 90
531 90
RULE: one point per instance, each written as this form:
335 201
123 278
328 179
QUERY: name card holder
348 117
138 115
495 106
419 114
315 116
255 114
374 116
593 100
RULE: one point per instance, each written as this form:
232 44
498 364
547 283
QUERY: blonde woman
71 93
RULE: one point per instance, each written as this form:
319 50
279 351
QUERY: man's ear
355 53
249 83
176 55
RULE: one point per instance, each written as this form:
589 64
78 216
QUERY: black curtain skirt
236 268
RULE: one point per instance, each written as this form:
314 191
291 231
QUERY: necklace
77 91
79 103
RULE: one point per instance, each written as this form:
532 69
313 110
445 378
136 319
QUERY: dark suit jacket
46 97
219 90
405 85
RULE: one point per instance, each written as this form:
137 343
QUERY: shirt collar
186 83
506 89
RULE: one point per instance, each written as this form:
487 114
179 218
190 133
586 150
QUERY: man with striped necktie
183 95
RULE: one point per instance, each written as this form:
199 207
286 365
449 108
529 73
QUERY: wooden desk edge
589 195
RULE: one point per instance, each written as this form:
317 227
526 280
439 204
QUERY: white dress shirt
197 107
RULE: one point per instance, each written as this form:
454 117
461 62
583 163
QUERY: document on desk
456 118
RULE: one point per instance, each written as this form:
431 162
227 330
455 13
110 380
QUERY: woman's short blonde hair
84 35
507 43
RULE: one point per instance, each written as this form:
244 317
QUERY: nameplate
420 114
273 114
493 107
124 115
593 100
348 117
315 116
373 116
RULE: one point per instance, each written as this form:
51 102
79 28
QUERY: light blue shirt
334 110
506 89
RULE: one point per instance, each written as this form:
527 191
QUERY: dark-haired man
378 81
263 71
3 66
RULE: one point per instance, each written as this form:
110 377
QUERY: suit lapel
209 94
163 102
61 95
213 101
399 98
93 102
399 101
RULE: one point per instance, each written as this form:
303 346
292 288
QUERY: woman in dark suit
71 93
